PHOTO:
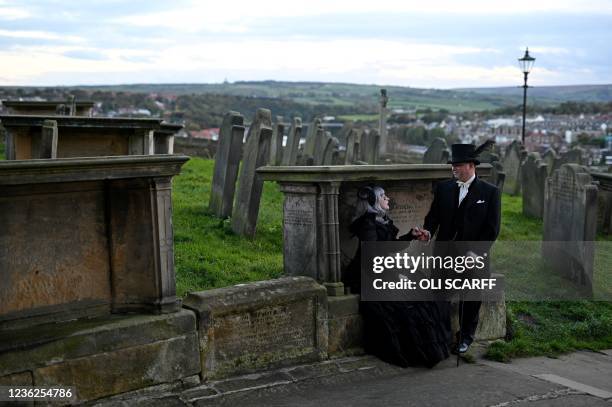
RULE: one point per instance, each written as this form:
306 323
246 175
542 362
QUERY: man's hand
421 234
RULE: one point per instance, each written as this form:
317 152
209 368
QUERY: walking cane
460 325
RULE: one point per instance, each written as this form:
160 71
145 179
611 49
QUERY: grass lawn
209 255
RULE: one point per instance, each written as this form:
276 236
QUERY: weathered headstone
570 223
515 154
227 162
437 153
47 145
349 155
276 142
550 158
250 184
293 142
331 150
498 175
533 180
313 142
368 146
574 156
262 325
322 146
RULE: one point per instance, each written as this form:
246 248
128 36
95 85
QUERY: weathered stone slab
498 175
570 223
47 146
574 156
86 236
550 158
250 184
125 352
290 151
515 154
85 136
227 162
276 142
313 141
261 325
437 153
350 153
533 179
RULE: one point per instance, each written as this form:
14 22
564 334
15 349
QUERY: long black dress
399 332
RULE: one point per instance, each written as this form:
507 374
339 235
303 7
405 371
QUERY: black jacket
477 219
368 229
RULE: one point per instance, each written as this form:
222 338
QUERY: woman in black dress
405 333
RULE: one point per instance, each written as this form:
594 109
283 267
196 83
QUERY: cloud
13 13
39 35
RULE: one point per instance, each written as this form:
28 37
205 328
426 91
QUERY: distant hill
549 94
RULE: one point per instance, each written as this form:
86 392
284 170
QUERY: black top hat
463 153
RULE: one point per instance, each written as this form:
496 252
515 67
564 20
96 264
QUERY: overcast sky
424 43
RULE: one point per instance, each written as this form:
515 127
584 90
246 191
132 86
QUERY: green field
209 255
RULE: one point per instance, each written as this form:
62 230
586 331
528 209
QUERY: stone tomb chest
81 237
320 202
32 137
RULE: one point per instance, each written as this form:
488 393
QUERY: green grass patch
207 253
2 148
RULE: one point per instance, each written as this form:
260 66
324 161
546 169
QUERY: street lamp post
526 63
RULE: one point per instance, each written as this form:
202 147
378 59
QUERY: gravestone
533 182
368 146
331 151
314 138
515 154
290 151
550 158
323 145
498 175
259 326
570 223
250 184
488 156
227 162
276 142
351 144
47 146
574 156
437 153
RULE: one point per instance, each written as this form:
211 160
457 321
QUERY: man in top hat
466 209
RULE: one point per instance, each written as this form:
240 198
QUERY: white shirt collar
468 182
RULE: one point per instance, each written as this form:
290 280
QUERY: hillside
345 94
549 94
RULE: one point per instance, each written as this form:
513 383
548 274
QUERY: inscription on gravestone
266 329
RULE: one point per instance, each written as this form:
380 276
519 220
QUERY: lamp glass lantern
526 62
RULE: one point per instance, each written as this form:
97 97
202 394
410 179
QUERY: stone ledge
26 349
